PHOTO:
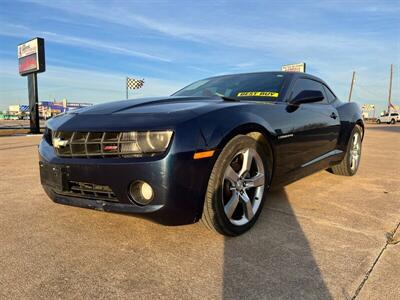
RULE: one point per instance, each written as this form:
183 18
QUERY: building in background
47 109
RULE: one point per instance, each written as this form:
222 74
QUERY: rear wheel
392 121
235 193
351 161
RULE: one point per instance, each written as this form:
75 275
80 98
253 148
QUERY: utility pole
353 79
390 89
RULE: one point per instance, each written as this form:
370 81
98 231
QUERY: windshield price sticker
258 94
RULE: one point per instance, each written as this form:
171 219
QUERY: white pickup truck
389 119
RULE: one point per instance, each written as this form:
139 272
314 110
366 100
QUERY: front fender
219 127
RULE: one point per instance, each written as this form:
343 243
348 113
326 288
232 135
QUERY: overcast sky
92 45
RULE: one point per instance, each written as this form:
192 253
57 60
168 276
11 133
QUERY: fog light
141 192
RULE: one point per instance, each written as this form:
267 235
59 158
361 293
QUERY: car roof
308 76
253 73
292 75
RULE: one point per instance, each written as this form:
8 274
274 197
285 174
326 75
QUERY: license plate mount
54 176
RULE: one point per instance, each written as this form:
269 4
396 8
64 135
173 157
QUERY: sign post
33 103
31 60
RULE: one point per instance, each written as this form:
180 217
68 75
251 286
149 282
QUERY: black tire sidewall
237 144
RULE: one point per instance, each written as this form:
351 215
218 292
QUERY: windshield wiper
230 99
227 98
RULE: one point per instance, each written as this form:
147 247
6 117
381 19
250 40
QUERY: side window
308 84
331 97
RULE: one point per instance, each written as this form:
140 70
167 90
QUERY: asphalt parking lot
322 237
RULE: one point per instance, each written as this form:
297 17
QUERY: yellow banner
258 94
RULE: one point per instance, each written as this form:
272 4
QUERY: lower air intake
91 191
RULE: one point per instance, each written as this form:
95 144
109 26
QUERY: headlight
145 142
47 135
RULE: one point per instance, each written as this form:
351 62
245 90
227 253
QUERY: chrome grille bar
91 144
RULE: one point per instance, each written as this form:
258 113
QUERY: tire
378 121
392 121
232 204
349 166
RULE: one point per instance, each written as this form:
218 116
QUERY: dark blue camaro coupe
209 152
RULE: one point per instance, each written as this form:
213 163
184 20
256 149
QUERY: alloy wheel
243 187
355 151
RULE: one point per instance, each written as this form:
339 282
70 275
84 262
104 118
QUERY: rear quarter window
329 95
303 84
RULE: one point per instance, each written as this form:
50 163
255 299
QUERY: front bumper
178 181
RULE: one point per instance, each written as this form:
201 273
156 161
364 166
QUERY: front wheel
378 121
235 192
351 160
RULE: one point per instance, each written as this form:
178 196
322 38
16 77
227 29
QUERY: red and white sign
28 48
28 63
31 57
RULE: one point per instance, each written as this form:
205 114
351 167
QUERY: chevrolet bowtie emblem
58 143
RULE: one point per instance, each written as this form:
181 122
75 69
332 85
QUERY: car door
316 128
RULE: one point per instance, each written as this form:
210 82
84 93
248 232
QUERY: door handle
333 115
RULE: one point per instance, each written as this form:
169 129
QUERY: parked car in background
389 119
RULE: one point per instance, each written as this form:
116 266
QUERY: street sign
300 67
31 58
31 61
368 107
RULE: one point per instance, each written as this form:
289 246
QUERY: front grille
91 191
92 144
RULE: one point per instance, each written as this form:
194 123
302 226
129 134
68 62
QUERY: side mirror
307 96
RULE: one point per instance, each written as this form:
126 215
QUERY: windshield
256 86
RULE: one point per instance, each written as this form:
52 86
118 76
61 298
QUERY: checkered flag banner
133 84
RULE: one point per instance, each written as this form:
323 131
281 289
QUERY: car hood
138 113
165 105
